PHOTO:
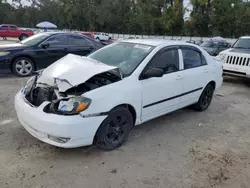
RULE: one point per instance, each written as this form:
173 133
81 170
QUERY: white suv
236 60
102 36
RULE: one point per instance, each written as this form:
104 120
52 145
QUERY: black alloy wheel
205 98
115 129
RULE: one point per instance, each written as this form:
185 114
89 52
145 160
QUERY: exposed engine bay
69 101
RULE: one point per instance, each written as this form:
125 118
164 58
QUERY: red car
86 33
13 31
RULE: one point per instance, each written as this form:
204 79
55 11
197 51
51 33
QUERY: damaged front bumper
61 131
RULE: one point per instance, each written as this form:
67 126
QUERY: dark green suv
215 47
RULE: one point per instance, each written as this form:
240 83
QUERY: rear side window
3 28
13 28
168 60
192 58
77 40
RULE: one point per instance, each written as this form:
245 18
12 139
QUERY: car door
195 74
13 31
52 49
161 95
4 31
80 45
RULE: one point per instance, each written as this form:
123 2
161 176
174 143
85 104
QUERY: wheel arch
26 56
213 83
130 108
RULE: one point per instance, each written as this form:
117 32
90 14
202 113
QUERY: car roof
245 37
155 42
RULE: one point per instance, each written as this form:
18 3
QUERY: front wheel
114 130
205 98
23 66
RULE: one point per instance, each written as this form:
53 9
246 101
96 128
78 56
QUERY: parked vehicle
98 99
215 47
13 31
43 49
236 60
102 36
88 34
197 42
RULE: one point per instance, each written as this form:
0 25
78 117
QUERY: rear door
195 74
80 45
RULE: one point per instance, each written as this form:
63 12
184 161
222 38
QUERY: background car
197 42
13 31
86 33
102 36
236 60
215 47
43 49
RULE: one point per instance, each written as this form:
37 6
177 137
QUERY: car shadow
237 80
7 74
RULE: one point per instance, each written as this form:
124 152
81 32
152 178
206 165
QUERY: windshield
209 44
126 56
35 39
242 43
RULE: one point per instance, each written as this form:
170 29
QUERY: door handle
179 77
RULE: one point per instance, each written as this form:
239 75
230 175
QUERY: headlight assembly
221 57
70 106
4 53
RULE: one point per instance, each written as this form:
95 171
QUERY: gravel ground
183 149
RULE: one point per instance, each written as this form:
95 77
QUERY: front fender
104 99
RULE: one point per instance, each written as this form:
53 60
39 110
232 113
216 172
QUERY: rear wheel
205 98
114 130
22 37
23 66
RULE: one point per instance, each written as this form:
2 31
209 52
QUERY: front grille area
236 60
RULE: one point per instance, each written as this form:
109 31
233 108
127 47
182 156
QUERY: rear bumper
236 74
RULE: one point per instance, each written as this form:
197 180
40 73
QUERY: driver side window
167 60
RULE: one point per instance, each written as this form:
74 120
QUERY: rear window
3 27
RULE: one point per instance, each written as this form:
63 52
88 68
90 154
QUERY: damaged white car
78 101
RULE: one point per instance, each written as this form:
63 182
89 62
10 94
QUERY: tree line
227 18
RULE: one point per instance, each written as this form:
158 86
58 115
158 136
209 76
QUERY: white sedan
78 101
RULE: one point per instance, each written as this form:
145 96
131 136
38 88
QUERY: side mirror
153 72
45 45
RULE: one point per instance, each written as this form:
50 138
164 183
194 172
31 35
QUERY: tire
22 37
114 130
23 66
98 39
109 39
205 99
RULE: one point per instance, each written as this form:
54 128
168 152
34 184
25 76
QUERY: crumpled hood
71 71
